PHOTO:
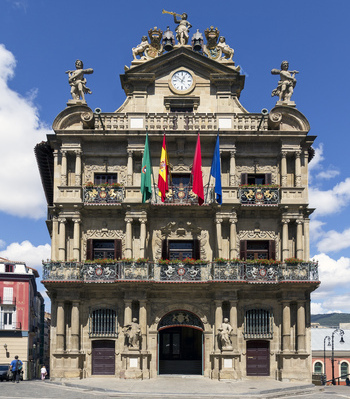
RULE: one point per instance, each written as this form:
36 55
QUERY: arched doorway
180 343
258 358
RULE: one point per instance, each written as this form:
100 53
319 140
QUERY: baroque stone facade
146 288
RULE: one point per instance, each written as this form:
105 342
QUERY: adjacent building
206 280
21 316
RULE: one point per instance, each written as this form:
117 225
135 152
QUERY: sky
41 39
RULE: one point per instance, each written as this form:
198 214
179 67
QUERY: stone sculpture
140 48
183 27
226 50
286 84
224 332
132 333
77 81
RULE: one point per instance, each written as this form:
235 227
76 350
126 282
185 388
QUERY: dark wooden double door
258 358
103 357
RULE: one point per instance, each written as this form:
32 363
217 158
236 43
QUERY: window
103 323
104 249
318 368
344 370
105 178
180 249
258 249
258 324
7 296
255 178
7 318
9 268
181 109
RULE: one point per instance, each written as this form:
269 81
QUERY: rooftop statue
286 84
147 50
214 49
140 48
77 81
226 50
183 27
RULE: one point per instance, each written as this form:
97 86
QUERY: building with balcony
21 316
148 286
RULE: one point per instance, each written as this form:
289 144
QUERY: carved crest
155 47
211 49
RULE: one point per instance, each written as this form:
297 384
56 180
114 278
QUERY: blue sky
41 39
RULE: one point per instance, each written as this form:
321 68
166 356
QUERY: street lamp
341 333
324 355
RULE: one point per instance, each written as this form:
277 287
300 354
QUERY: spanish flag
163 177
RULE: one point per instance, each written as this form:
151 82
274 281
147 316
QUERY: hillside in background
331 319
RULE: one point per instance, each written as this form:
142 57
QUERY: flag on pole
197 186
215 171
163 177
146 173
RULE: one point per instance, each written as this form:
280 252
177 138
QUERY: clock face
182 80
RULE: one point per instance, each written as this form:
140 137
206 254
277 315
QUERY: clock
182 82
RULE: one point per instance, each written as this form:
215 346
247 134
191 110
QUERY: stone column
286 336
76 240
307 239
285 244
127 311
233 237
143 323
54 238
128 238
60 327
306 168
62 240
130 168
78 168
301 327
64 168
233 167
297 182
299 246
56 173
218 322
75 327
142 237
219 236
284 168
233 322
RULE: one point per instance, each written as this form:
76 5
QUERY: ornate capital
143 220
77 221
285 221
128 220
283 154
62 220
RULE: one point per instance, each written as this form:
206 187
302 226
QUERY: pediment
74 117
287 118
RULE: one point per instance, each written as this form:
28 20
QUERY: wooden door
258 358
103 357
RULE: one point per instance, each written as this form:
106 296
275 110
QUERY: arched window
318 368
103 323
344 370
258 323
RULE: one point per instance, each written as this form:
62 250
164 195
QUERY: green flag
146 173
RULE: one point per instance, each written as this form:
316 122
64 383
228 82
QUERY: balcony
103 195
10 327
199 271
183 196
7 301
267 196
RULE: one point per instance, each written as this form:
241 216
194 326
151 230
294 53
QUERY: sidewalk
189 386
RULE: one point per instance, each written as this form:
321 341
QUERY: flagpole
154 182
206 198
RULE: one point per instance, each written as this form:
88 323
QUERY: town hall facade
142 286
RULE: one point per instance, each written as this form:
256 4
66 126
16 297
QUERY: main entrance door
258 358
103 357
180 350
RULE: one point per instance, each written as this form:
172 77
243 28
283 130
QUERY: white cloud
20 131
317 159
334 241
317 308
28 253
328 174
316 230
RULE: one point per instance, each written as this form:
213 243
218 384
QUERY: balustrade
259 195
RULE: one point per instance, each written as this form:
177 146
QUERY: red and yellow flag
197 185
163 178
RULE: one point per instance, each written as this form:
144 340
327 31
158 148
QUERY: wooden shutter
118 249
268 178
243 249
244 178
90 249
196 249
165 249
272 249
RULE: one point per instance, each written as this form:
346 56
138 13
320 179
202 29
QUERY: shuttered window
180 249
256 178
103 249
257 249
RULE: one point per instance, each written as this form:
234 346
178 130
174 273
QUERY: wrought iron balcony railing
103 195
183 195
259 195
13 326
5 301
203 272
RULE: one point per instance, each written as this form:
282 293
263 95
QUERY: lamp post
324 356
341 333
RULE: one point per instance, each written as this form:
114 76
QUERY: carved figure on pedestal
286 84
141 48
132 333
224 332
227 51
183 27
77 81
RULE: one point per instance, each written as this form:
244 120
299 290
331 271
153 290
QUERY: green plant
293 260
142 260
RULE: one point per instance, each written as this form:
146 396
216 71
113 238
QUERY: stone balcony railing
259 195
103 195
179 121
179 272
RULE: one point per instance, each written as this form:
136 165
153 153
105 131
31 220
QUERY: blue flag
215 171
